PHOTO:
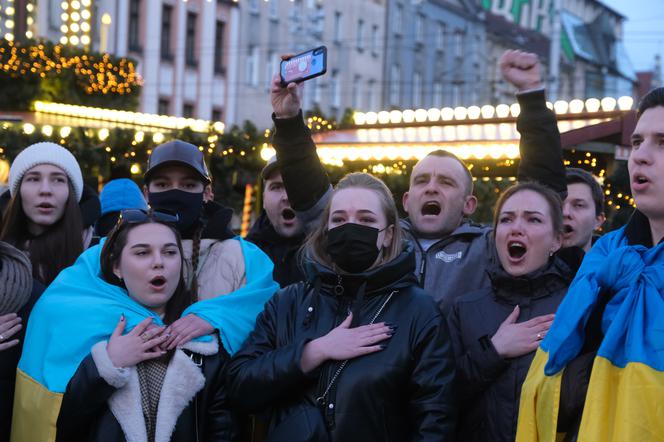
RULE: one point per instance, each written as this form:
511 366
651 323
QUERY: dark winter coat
103 403
489 386
282 251
9 361
403 392
457 263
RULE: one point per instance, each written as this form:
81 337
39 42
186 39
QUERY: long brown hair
314 247
56 248
110 257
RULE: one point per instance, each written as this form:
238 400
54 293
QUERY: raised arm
541 151
307 184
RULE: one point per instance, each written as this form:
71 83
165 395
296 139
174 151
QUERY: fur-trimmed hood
184 379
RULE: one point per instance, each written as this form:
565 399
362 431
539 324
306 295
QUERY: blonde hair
314 247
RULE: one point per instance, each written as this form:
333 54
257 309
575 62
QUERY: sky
643 30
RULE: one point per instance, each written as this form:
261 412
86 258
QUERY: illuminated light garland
460 113
121 116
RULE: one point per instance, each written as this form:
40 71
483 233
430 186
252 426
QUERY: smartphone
304 66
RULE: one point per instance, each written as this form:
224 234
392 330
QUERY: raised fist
522 69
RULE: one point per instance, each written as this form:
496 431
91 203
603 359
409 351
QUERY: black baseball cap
271 166
178 152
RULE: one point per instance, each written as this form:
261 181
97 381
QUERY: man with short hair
583 209
452 252
278 231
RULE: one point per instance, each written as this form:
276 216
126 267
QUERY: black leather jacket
404 392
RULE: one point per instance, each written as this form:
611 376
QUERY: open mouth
516 249
46 206
288 214
567 229
431 208
158 281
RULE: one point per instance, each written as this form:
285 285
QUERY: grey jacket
456 264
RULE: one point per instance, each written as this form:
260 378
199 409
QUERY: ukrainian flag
80 309
625 398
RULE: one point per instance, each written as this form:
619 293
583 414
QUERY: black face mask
352 247
187 205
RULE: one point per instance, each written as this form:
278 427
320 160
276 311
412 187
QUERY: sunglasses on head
133 216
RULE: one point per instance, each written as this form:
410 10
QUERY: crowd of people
139 315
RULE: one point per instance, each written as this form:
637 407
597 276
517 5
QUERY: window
134 17
188 110
252 66
166 22
458 43
419 28
274 9
357 92
374 39
337 27
217 114
164 106
253 6
371 95
271 67
438 94
417 89
360 35
318 91
219 47
190 39
398 18
335 93
395 85
440 37
456 94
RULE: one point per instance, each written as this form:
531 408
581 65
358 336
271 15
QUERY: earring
550 254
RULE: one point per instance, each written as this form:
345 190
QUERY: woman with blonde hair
357 352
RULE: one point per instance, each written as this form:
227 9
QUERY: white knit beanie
45 153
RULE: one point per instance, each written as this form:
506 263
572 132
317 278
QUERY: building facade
352 30
181 47
434 54
592 61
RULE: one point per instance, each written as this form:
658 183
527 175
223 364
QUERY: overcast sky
644 30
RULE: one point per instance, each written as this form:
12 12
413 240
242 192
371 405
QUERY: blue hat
121 194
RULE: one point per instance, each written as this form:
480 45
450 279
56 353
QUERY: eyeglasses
134 216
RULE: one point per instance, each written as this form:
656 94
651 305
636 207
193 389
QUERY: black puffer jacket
101 404
404 392
490 386
283 251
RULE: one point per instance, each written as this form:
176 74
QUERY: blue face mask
187 205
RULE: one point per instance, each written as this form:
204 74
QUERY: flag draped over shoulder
625 398
80 309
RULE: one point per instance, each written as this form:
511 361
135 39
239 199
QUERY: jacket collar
395 274
467 227
556 275
216 220
637 230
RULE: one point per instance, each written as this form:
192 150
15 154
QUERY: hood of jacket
216 221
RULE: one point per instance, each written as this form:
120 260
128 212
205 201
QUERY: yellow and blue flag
625 398
80 309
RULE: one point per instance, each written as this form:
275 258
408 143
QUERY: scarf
627 379
15 279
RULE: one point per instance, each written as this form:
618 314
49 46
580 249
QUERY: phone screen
303 66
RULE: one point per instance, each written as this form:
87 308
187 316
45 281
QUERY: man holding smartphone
452 252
